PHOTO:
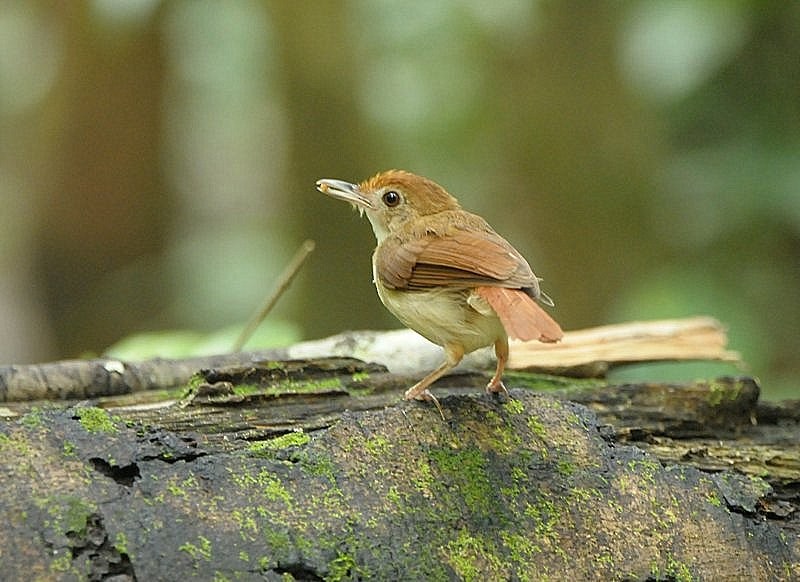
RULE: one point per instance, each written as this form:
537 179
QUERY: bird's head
391 199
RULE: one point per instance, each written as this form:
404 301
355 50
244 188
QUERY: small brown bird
445 273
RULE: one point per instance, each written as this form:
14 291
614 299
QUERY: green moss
78 512
191 386
377 445
393 495
68 448
341 567
248 528
714 499
198 551
66 513
514 406
565 468
544 515
243 479
580 496
247 389
268 448
319 466
332 502
62 563
545 383
159 498
304 387
677 570
423 479
273 489
277 541
33 418
94 419
524 552
16 443
604 560
504 439
360 377
655 571
472 559
719 391
665 517
645 468
465 471
261 449
121 543
536 427
176 489
492 418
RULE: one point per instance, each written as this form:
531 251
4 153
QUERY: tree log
317 470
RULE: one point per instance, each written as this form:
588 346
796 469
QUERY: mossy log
316 470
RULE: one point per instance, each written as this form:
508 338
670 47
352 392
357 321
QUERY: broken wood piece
600 348
583 353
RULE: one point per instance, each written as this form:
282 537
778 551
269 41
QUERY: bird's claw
497 387
425 396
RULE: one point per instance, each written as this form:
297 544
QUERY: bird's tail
520 315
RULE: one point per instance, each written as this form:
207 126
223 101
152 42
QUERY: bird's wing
461 258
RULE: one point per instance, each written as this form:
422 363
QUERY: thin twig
284 281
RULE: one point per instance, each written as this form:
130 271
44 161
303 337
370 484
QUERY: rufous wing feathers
520 315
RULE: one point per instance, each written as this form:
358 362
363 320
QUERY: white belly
445 316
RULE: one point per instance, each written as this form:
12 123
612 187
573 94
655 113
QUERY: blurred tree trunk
104 206
319 73
578 161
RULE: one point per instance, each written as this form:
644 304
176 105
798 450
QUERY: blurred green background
158 159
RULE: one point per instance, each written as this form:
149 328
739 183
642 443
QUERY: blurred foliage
158 159
183 343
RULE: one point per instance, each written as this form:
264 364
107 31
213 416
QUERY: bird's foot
497 386
424 395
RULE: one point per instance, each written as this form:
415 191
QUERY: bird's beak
345 191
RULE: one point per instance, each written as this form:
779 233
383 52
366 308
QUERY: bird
445 273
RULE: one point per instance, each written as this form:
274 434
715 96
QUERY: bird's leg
419 391
501 351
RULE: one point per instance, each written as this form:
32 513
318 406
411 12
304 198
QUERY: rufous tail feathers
521 317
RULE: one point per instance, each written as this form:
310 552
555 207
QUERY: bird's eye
391 198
